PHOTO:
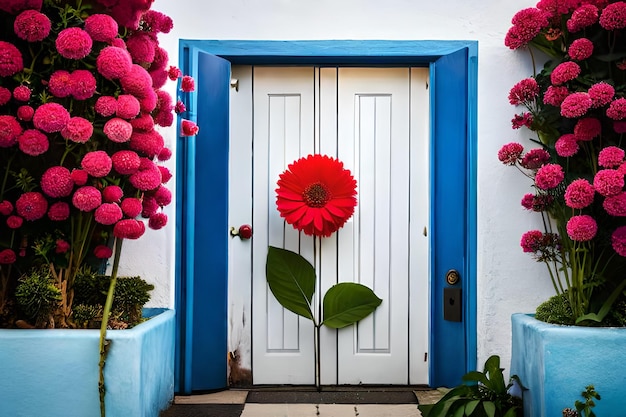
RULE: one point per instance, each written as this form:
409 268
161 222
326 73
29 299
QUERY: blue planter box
556 363
54 373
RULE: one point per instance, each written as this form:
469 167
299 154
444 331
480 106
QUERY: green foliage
347 303
37 295
84 315
555 310
584 409
291 279
131 293
482 394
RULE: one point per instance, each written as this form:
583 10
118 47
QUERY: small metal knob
244 232
453 277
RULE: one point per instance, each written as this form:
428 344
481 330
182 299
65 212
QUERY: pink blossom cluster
82 129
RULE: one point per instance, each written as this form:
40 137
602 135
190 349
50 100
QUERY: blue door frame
202 192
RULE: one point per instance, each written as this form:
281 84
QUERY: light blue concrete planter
54 373
556 363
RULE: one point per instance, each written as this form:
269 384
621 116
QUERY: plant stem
105 320
316 348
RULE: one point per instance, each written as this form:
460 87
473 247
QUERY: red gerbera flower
316 195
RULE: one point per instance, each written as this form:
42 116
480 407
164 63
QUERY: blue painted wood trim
443 57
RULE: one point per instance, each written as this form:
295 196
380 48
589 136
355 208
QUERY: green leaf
459 412
490 408
512 412
471 406
291 279
496 378
348 302
606 307
475 376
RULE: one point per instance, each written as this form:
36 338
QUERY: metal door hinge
234 83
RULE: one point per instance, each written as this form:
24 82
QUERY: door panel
366 118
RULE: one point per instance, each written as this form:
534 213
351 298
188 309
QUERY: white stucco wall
508 280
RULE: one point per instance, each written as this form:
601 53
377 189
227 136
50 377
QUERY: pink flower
31 206
25 113
83 84
5 96
585 16
566 145
166 175
608 182
11 61
141 47
531 241
619 126
144 122
131 207
611 157
524 91
60 84
147 177
564 72
618 240
61 246
617 109
137 82
79 177
615 205
97 164
157 22
180 107
51 117
159 78
521 120
6 207
147 143
575 105
113 63
21 93
160 61
77 130
102 252
59 211
582 228
535 158
106 106
101 27
15 6
73 43
601 94
14 222
510 153
157 221
10 129
87 198
174 73
163 196
126 162
580 49
579 194
7 257
555 95
32 26
149 206
129 229
187 84
108 214
527 24
549 176
112 194
165 154
148 103
587 128
164 118
613 16
118 130
188 128
127 106
57 182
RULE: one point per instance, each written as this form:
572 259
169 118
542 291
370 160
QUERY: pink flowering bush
576 107
81 105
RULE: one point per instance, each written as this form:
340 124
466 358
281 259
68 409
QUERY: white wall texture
508 280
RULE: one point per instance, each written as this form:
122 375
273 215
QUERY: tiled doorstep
330 410
222 397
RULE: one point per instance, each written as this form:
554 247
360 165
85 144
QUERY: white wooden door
376 122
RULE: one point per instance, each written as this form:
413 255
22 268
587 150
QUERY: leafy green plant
555 310
291 279
584 409
38 297
482 394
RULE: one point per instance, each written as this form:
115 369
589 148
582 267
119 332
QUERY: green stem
104 348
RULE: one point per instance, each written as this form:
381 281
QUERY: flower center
316 195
